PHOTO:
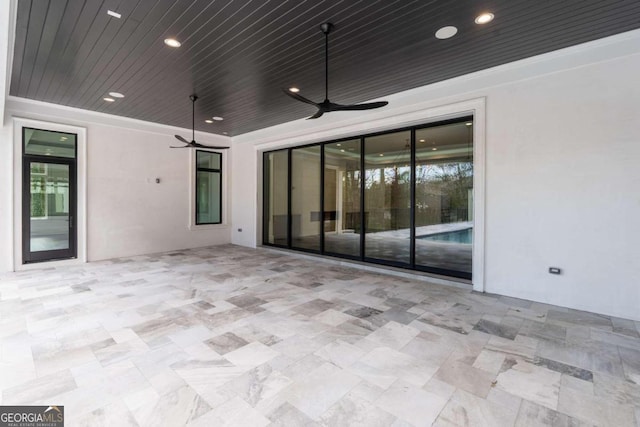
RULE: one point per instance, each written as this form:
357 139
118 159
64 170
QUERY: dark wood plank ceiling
238 54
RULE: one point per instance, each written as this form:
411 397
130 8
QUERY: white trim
10 199
224 154
81 165
479 195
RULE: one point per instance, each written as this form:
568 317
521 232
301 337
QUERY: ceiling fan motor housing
327 27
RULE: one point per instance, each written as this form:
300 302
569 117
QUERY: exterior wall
562 144
127 212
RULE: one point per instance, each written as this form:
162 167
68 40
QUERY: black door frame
56 254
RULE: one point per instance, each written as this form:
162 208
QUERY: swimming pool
458 236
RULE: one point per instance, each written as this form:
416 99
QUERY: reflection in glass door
387 197
49 196
342 178
306 213
444 202
276 198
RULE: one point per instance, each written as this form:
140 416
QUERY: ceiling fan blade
354 107
299 97
318 113
182 146
179 138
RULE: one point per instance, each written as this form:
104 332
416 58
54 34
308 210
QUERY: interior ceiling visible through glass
49 143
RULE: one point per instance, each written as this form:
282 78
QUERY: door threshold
383 269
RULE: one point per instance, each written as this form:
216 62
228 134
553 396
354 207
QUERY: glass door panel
49 195
342 179
387 197
276 199
306 213
444 198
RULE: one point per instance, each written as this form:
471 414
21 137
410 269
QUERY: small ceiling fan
193 143
327 106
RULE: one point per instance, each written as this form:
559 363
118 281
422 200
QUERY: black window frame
213 171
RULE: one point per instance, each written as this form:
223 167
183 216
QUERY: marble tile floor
241 337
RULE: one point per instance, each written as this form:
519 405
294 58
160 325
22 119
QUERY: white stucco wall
127 212
562 141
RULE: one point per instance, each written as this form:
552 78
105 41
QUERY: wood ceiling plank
119 35
22 28
46 50
37 18
219 86
146 40
238 54
102 47
62 39
70 59
193 55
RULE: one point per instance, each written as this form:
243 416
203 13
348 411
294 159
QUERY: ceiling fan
193 143
327 106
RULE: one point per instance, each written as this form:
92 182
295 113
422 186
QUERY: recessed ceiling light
381 155
484 18
338 145
446 32
114 14
172 42
342 150
208 121
294 89
116 94
109 99
434 149
422 140
468 123
217 118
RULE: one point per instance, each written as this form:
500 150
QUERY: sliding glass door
402 198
